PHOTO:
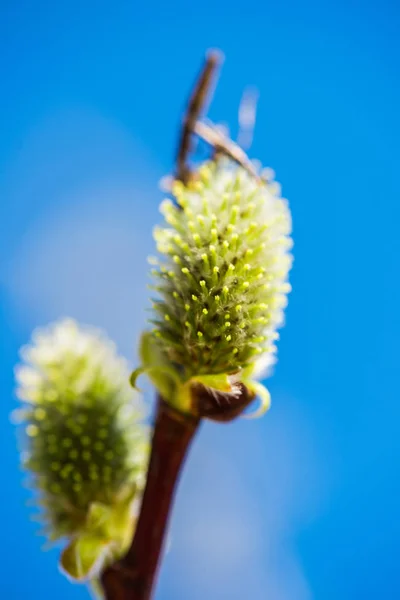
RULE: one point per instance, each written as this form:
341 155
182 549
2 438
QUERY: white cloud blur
83 251
87 261
246 488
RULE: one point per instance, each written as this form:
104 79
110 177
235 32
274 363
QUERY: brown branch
134 577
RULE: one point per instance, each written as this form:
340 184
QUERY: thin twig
226 146
194 127
201 95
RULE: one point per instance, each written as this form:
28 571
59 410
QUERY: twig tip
215 56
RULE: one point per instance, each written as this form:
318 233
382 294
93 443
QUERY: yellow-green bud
235 232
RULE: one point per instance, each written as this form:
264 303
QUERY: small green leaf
84 557
218 382
183 398
166 381
264 396
157 367
121 525
98 516
247 372
151 353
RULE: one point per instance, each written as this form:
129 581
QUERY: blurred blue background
302 504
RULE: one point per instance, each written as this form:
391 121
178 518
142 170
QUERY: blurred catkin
83 445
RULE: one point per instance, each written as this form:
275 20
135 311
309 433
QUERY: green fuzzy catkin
83 444
222 280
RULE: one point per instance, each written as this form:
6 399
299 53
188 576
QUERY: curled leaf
164 379
261 392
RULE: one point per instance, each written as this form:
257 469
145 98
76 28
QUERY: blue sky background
302 504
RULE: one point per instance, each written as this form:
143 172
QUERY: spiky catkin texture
222 280
83 447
